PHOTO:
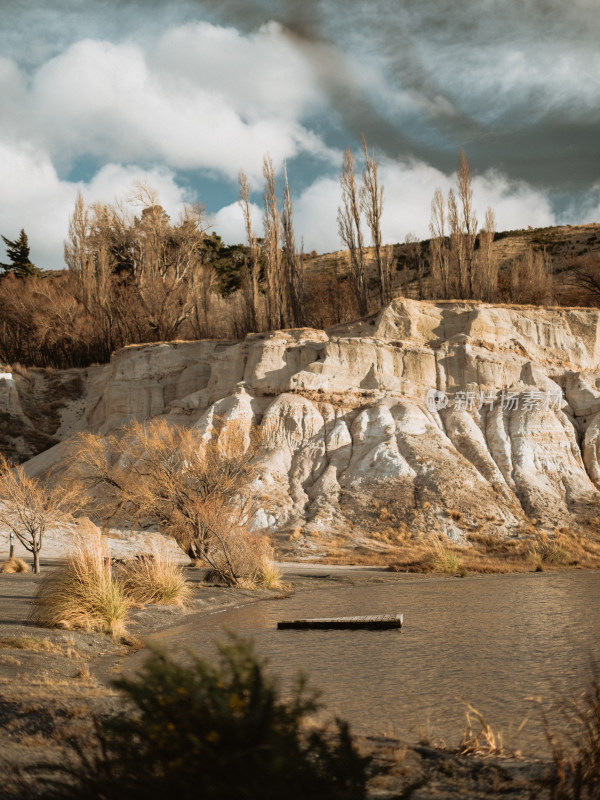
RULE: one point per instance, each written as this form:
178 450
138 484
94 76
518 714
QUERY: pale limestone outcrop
348 431
9 396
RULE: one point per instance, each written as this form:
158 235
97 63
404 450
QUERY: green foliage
219 732
18 253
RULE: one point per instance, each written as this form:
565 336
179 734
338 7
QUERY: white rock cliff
352 448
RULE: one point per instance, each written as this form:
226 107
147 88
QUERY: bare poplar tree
272 225
488 264
468 222
250 285
349 228
439 246
293 263
416 261
455 256
371 202
88 257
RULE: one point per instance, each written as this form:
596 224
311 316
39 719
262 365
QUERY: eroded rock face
352 448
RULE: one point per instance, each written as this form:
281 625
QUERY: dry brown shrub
237 556
169 475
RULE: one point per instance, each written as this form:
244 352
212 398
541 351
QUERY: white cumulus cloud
201 97
33 197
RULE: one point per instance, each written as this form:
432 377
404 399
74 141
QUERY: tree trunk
36 562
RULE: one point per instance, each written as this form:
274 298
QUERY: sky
96 94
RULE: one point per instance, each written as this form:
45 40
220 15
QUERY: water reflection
492 640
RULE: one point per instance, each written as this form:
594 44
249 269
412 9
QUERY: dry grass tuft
13 565
268 576
84 674
443 559
484 742
155 578
29 643
575 749
83 594
553 553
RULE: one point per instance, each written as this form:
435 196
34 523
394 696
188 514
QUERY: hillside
567 246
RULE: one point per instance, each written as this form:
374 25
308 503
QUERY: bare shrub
195 488
30 507
237 556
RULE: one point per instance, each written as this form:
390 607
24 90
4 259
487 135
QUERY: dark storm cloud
517 83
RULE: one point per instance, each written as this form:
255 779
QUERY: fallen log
379 623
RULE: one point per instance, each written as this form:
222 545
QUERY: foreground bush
155 578
217 733
83 593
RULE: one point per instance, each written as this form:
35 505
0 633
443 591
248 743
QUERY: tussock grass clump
268 576
155 578
554 553
83 594
442 559
13 565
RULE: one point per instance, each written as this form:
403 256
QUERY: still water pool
494 641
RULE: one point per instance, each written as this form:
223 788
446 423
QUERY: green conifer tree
18 253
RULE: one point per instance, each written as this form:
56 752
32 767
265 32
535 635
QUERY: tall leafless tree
371 202
350 231
251 279
487 282
468 222
456 261
293 262
439 246
415 259
271 248
88 257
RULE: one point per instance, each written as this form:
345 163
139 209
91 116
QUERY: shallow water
492 640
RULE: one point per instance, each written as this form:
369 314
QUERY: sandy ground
53 682
121 544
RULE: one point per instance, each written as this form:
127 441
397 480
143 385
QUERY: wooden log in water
378 623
